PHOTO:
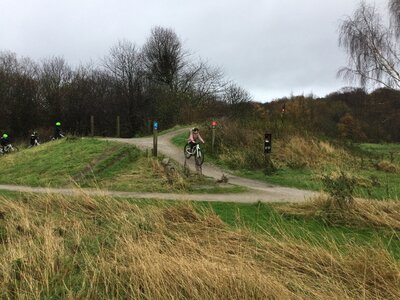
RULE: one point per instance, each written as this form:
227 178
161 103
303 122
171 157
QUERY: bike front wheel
187 151
199 158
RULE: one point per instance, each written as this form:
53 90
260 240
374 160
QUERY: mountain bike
8 149
196 152
34 143
57 137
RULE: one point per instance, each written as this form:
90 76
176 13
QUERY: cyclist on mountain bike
58 132
193 137
34 140
4 141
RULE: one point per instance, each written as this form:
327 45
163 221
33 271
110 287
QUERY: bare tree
55 77
163 56
372 46
235 94
56 72
394 9
125 65
18 93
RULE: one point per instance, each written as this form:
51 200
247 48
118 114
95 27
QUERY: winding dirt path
259 191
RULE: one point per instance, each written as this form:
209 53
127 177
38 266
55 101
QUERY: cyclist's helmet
58 124
195 129
5 135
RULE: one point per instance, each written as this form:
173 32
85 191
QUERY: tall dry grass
361 212
95 248
241 146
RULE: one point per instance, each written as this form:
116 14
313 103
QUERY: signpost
213 127
267 151
267 143
283 112
155 133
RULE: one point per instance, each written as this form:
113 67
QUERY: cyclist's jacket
57 132
194 136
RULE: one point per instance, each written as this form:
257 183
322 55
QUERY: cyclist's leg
192 147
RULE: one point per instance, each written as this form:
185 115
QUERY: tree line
350 114
161 81
157 81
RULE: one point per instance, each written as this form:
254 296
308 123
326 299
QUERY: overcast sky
272 48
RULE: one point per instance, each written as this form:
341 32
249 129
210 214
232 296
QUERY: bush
340 187
386 166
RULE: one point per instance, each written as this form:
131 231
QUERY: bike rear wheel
199 158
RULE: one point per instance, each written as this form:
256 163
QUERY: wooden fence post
118 127
91 125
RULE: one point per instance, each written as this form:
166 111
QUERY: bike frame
197 148
7 148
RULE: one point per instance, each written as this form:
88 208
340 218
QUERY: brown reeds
361 212
94 248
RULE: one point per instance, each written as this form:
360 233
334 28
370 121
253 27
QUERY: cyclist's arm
200 138
191 139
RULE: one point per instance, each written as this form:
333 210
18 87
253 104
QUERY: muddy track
260 190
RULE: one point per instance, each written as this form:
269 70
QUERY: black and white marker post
267 151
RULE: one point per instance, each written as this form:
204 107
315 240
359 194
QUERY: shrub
340 187
386 166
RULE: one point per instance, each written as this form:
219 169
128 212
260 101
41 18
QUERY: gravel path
259 191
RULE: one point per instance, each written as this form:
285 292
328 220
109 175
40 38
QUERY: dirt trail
261 191
242 198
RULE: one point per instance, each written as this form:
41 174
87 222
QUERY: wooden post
213 127
212 139
118 127
92 125
155 135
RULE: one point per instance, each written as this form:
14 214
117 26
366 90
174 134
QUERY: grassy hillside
300 161
81 247
101 164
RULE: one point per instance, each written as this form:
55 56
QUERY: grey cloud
271 47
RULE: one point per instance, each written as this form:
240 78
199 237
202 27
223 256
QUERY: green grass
51 164
299 178
176 127
180 140
384 185
99 164
390 152
263 217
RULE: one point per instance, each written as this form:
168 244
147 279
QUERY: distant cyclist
34 139
194 136
58 134
4 141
